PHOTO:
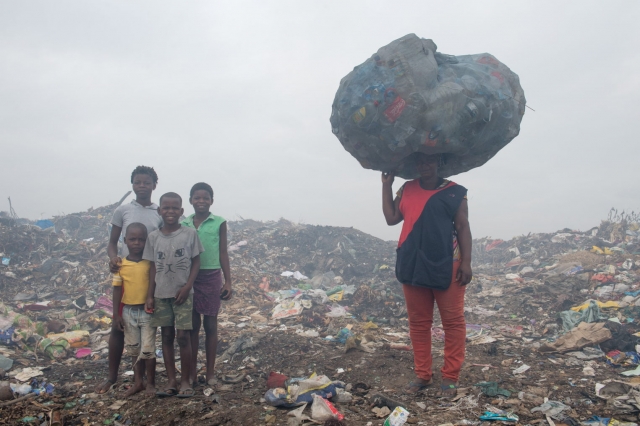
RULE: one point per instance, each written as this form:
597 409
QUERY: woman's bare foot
137 387
104 387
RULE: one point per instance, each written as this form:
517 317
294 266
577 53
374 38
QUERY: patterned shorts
139 336
167 314
206 292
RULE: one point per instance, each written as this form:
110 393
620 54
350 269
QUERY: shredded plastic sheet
410 98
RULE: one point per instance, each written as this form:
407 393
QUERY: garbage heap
553 321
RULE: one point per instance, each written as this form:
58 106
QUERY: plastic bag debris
521 369
27 373
286 309
297 275
408 97
337 311
323 410
492 389
398 417
551 408
495 414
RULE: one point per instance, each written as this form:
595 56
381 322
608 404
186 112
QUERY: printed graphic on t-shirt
171 264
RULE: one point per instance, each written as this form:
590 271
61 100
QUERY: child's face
170 210
143 186
201 201
135 240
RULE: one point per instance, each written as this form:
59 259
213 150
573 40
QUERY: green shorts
167 314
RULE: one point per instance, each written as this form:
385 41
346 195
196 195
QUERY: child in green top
208 288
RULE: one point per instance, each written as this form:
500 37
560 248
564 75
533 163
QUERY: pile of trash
410 98
553 326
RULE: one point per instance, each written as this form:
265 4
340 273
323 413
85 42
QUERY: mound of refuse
410 98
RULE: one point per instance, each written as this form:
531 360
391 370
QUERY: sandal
448 391
167 393
414 387
233 379
187 393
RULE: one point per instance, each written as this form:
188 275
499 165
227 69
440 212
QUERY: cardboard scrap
585 334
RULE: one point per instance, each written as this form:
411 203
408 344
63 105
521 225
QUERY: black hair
201 186
136 225
144 170
441 157
171 195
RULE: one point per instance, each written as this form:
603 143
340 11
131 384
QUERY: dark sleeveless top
428 239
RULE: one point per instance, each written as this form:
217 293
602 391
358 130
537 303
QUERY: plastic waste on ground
323 410
496 415
551 408
398 417
408 97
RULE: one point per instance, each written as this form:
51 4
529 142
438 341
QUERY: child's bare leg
150 366
138 371
195 342
168 336
211 345
184 342
116 347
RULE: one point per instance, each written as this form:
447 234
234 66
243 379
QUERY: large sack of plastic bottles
409 98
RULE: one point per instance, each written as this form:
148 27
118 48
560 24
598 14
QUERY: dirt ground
56 280
386 371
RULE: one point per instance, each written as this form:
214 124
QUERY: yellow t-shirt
134 279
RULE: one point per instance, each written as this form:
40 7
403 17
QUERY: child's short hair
144 170
171 195
201 186
134 226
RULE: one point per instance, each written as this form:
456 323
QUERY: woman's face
143 185
427 165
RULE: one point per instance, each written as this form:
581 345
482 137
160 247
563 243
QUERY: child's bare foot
150 389
137 387
104 387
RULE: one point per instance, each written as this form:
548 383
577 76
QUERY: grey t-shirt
126 214
172 255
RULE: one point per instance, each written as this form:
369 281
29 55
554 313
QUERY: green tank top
209 234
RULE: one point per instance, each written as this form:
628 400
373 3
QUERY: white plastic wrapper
410 98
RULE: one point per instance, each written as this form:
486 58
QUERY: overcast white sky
239 93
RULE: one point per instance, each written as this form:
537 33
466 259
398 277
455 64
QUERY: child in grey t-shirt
174 252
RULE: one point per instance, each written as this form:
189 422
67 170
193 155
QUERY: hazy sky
239 94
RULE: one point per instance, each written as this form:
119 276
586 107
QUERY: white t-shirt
126 214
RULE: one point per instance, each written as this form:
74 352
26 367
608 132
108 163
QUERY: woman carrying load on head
433 265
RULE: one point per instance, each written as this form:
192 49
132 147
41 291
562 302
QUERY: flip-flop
444 388
167 393
187 393
233 379
419 386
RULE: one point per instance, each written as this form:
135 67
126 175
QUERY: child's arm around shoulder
118 283
149 254
196 249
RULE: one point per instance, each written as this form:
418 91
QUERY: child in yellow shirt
130 286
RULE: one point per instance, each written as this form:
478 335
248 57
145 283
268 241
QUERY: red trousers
420 302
